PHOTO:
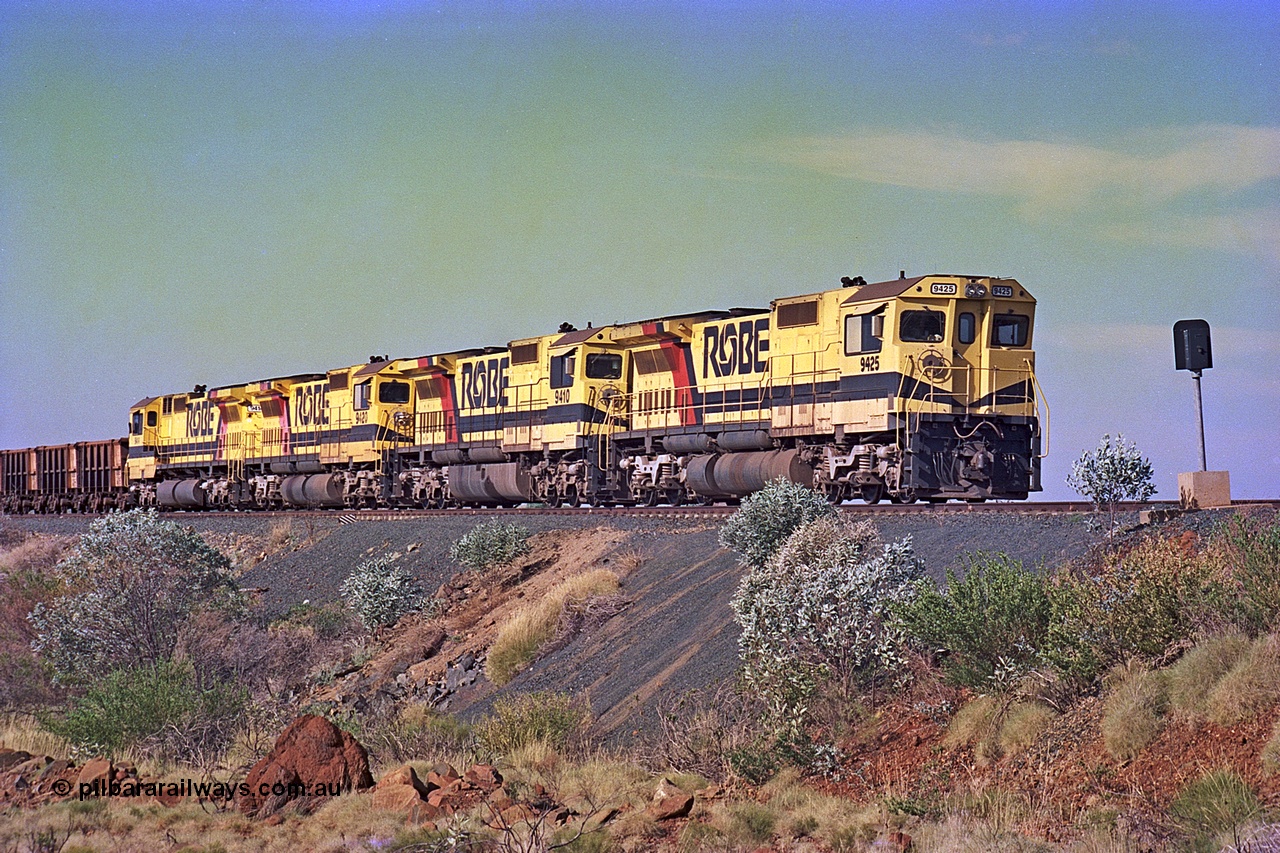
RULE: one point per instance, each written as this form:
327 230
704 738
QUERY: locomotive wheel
872 494
675 497
572 498
651 496
906 496
834 493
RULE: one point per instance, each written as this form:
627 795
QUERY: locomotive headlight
975 291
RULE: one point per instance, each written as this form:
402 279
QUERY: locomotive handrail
1039 397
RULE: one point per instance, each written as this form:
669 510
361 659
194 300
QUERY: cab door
968 369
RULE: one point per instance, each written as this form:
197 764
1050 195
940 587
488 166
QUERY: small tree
767 517
1116 471
380 592
132 583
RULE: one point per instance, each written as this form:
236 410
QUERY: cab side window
361 395
562 369
135 424
393 392
152 418
1010 330
604 365
967 328
859 333
922 326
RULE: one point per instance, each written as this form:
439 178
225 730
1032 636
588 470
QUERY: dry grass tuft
34 553
525 635
977 724
1022 724
22 732
1250 687
1133 713
1270 756
1191 679
281 536
628 561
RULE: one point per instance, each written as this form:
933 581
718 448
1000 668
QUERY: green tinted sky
217 192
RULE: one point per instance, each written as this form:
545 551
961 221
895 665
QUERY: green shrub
1134 604
329 621
379 592
159 708
996 616
490 543
1250 552
757 761
766 518
1133 713
752 821
131 584
1197 672
1215 803
518 721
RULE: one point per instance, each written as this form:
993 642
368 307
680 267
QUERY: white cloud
1256 232
1154 165
1130 341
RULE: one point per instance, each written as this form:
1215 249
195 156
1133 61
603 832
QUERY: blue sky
217 192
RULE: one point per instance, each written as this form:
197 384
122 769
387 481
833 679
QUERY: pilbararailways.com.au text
225 791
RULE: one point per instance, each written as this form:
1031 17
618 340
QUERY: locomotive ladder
614 406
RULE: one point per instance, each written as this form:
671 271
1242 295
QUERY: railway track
710 512
689 511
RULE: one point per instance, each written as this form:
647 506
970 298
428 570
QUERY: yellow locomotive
914 388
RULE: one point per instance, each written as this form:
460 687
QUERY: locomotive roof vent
856 281
377 359
902 274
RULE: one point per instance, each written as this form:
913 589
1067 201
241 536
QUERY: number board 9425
943 289
1001 290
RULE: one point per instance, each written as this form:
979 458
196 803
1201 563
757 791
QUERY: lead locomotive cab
938 396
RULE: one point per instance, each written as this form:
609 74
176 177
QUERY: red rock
483 776
440 797
402 790
445 771
311 751
669 801
10 758
513 816
98 770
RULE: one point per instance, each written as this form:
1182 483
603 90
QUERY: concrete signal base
1204 489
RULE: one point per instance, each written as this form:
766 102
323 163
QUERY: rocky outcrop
311 761
402 791
670 801
443 793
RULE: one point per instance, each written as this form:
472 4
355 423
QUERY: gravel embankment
676 635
